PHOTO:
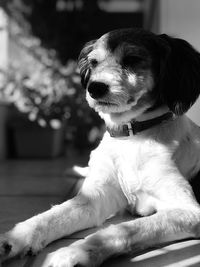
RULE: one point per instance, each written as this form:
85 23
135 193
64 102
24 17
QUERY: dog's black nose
97 89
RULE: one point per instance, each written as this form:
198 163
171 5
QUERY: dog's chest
129 157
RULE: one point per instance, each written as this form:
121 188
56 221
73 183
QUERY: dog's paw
23 239
75 255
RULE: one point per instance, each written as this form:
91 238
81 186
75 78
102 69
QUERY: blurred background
43 112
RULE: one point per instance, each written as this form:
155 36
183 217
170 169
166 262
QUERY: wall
182 18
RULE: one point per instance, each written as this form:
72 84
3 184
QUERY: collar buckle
130 126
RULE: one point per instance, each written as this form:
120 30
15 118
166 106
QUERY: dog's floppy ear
179 84
83 63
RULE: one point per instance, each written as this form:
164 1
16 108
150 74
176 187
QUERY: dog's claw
30 252
7 248
22 240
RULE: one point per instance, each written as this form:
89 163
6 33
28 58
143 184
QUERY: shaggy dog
141 84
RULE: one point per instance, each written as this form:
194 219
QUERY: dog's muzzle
98 89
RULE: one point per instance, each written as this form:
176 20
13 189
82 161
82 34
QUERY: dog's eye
129 61
93 62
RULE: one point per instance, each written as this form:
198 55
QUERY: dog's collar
133 127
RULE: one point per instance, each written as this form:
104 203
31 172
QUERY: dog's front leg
35 233
97 200
128 237
61 220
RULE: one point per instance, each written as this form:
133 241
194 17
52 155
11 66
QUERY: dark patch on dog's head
133 36
147 44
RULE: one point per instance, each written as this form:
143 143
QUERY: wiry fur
138 75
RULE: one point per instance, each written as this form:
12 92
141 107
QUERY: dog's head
133 69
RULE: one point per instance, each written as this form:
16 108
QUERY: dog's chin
107 107
113 114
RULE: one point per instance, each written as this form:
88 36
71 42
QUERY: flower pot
34 141
4 115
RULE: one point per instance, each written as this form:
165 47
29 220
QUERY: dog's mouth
106 103
104 106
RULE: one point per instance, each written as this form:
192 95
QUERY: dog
141 84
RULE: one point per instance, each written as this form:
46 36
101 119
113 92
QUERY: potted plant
40 100
49 107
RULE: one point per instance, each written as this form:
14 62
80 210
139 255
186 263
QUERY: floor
28 187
